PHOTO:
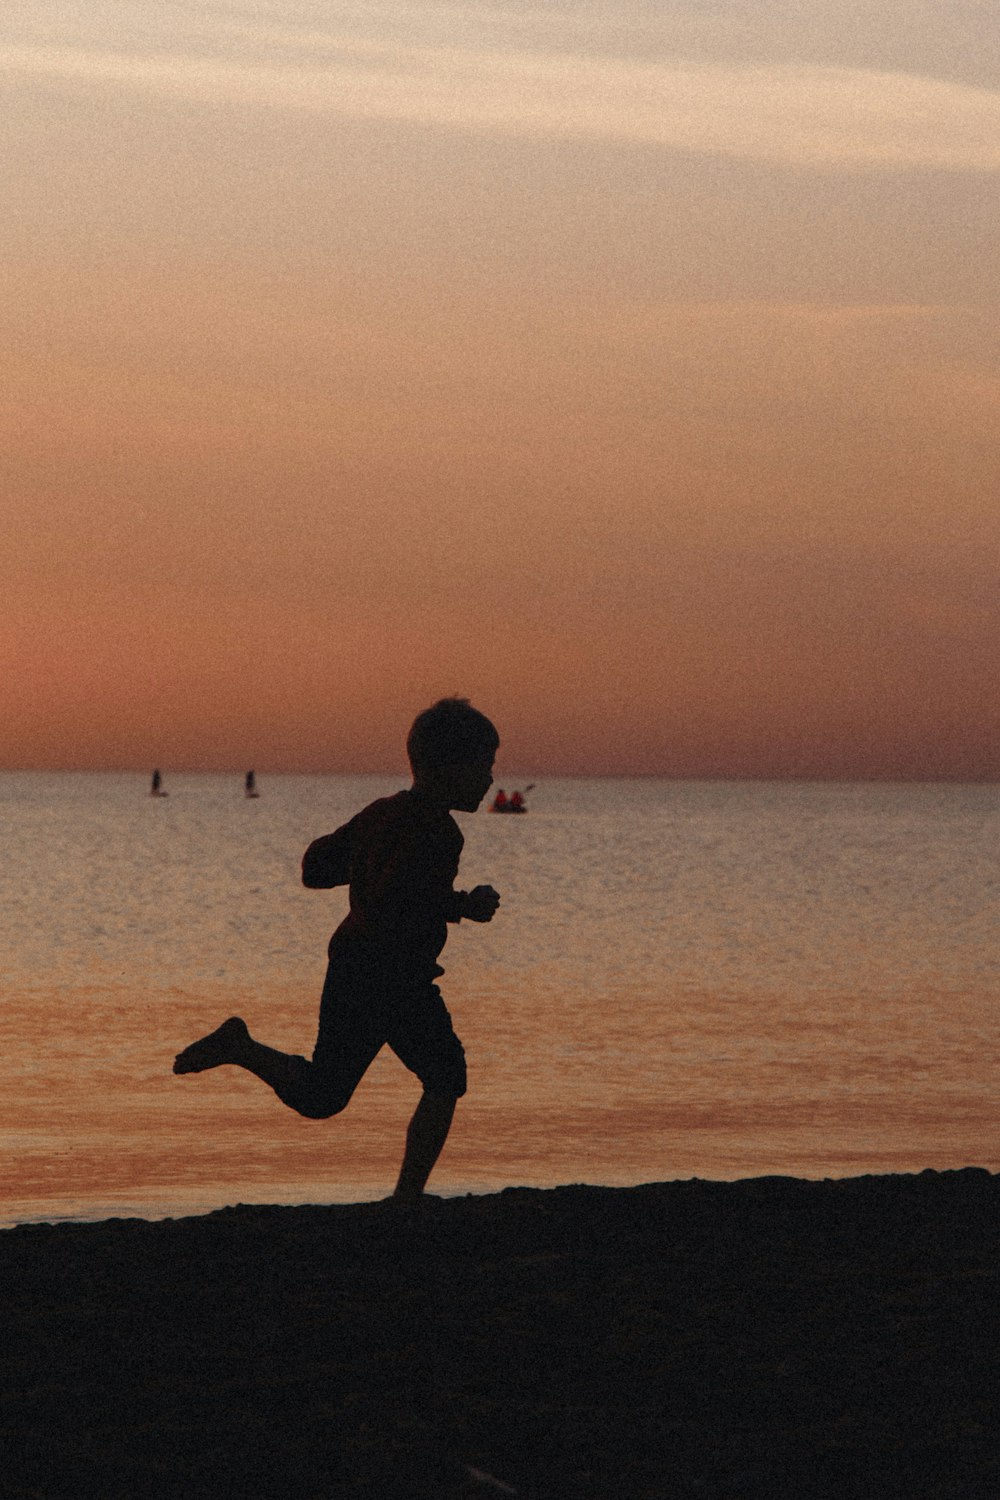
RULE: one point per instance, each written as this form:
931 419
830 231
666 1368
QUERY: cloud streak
825 117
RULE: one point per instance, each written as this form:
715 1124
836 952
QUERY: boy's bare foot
404 1200
223 1045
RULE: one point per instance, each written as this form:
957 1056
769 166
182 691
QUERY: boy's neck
433 795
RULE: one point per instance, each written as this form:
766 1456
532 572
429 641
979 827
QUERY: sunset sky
630 367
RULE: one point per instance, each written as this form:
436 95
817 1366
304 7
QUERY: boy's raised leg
232 1043
425 1138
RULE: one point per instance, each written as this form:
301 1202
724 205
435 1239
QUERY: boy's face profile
473 780
463 785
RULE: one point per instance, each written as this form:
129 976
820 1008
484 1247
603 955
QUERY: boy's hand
481 903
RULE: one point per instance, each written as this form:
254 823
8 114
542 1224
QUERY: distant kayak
515 803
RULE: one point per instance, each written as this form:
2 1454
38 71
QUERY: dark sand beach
767 1338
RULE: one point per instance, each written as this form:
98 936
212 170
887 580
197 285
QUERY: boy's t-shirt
400 858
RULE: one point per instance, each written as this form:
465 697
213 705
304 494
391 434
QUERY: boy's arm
327 861
415 887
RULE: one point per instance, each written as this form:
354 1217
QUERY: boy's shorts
358 1018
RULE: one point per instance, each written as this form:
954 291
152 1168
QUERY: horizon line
778 778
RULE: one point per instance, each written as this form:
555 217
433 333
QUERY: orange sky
634 371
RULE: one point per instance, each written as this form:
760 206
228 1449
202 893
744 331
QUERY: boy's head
451 747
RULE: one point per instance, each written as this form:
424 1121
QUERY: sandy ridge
764 1338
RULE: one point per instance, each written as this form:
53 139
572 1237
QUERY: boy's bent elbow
327 862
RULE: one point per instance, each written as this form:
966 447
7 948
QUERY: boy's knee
446 1098
324 1104
449 1090
445 1076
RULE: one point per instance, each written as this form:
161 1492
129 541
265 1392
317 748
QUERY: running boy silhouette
400 858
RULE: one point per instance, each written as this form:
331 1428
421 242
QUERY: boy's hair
451 732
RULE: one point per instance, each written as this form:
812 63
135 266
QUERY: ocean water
684 979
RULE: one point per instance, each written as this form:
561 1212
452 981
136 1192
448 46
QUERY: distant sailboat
250 785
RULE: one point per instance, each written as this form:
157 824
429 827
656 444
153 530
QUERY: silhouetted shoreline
765 1338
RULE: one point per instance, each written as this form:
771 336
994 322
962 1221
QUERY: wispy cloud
833 117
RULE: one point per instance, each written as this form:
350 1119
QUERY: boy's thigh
352 1031
421 1034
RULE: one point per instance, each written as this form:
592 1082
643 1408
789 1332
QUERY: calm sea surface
684 979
